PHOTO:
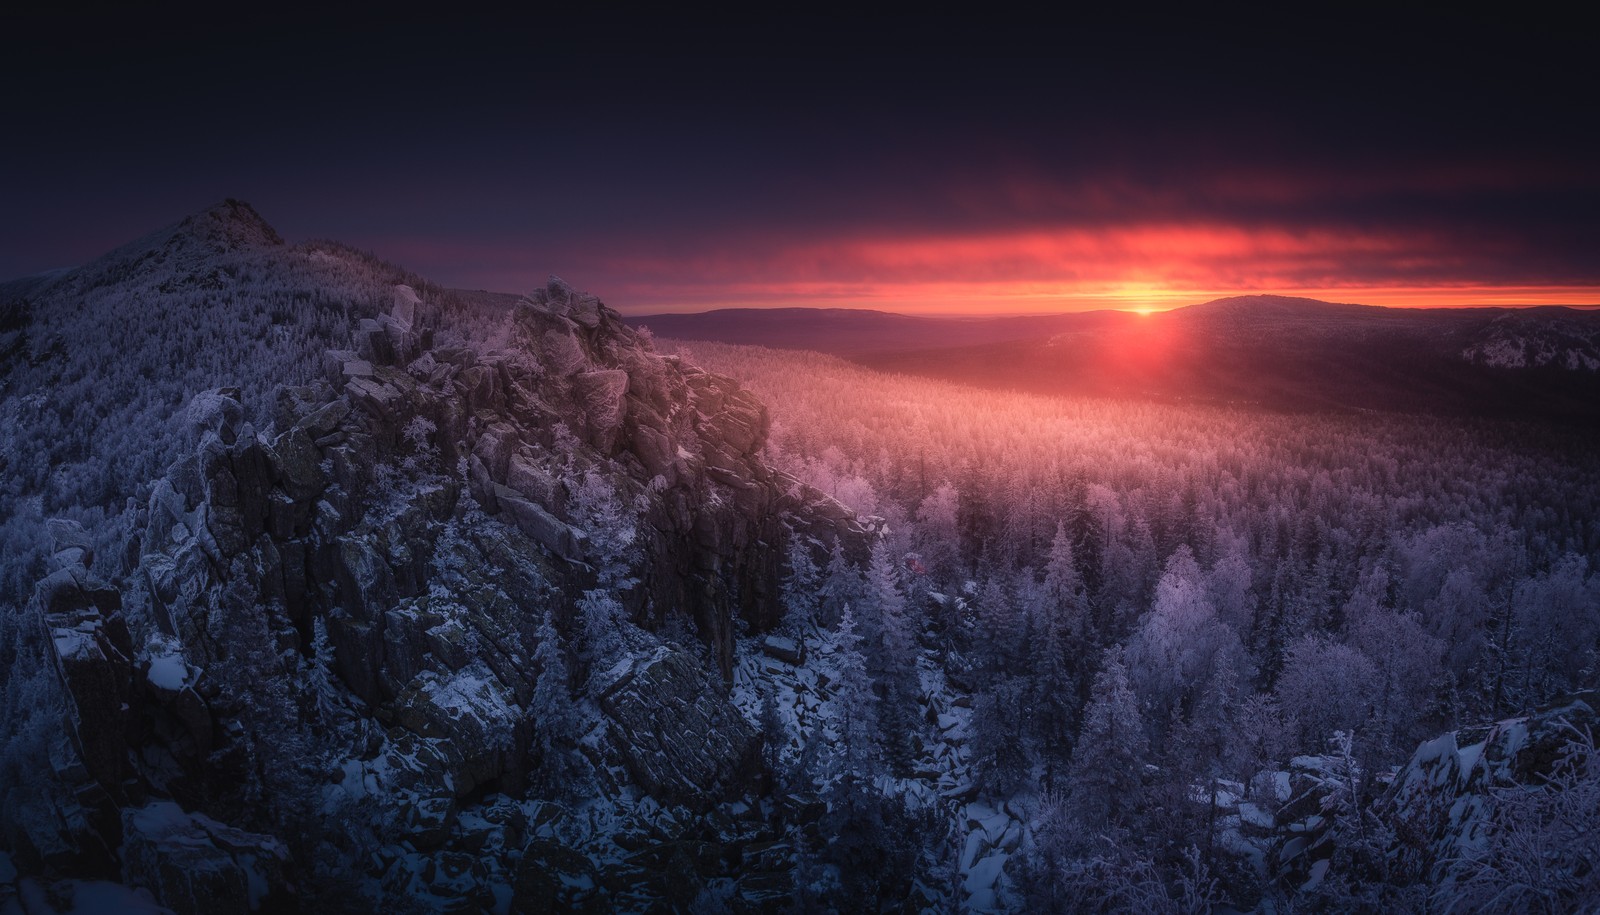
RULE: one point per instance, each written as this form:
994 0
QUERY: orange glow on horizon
1145 267
995 299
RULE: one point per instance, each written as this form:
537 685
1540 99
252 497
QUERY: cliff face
345 609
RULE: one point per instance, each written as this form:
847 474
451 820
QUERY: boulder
679 737
601 397
1441 795
471 710
194 864
553 878
93 652
404 310
542 527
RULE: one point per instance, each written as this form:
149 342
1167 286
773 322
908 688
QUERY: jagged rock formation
359 589
680 740
195 865
1441 798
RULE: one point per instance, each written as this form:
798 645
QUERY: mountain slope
389 603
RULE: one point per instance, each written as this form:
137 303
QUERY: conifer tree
555 717
895 663
854 707
1108 763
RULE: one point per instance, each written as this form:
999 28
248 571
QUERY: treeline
1145 598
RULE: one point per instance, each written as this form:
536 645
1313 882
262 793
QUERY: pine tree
801 598
854 707
774 735
895 664
1000 760
1063 586
555 717
1109 759
610 525
938 533
603 619
841 585
1054 693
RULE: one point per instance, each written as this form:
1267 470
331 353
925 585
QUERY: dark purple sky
906 164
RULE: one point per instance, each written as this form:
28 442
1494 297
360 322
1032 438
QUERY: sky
912 164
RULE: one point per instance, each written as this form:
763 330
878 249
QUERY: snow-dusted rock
1441 794
680 738
194 864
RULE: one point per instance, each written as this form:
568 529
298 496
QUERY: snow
167 668
1280 786
78 642
1255 815
1469 757
1318 871
982 882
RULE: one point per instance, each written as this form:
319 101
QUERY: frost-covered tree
1001 762
1181 651
1408 664
1230 586
842 586
853 707
1002 626
1540 843
1554 632
1052 690
938 533
555 716
1073 865
801 584
604 636
1327 687
895 660
610 524
774 732
1064 593
1108 761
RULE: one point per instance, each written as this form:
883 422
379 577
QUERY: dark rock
474 713
1440 797
194 864
552 878
601 398
544 528
92 652
784 649
680 739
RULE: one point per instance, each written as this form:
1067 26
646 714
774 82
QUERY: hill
1274 352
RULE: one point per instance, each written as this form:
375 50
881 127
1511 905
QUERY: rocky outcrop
91 649
1440 799
197 866
373 569
681 740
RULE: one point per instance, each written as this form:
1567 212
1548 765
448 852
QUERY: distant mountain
1277 352
855 332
